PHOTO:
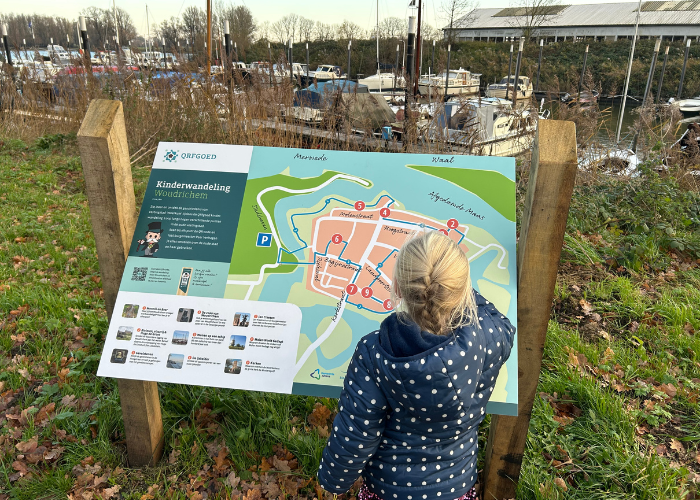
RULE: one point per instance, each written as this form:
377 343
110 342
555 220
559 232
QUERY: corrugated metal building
609 21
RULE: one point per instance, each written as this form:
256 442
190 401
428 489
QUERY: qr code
139 274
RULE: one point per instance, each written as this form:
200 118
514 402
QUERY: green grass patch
617 414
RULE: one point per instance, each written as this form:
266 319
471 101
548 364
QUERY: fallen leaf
661 450
320 415
54 453
37 455
561 483
677 446
20 467
586 307
232 480
265 465
27 446
221 460
669 389
563 421
108 493
281 465
44 413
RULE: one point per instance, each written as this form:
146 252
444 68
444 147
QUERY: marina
451 107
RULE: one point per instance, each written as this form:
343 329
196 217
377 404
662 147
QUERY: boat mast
418 52
208 37
148 31
379 76
629 73
116 24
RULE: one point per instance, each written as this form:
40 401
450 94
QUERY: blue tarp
314 95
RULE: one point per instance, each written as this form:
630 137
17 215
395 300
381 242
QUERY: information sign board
261 268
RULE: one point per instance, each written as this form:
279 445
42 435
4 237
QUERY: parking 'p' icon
264 240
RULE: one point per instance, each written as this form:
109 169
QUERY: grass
617 414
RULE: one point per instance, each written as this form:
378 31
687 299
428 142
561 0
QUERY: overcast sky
362 12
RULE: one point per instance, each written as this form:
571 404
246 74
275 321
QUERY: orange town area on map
354 249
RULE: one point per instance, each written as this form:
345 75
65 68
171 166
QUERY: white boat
485 126
460 82
383 81
689 107
59 55
504 89
327 72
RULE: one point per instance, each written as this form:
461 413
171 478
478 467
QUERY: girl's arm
358 427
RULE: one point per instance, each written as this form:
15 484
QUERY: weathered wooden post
104 152
552 176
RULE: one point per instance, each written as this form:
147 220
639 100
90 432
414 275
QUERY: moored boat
504 89
459 82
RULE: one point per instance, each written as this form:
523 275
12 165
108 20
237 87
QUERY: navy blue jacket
411 406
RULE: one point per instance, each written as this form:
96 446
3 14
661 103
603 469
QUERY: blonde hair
432 284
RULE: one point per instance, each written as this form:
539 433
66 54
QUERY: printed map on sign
321 230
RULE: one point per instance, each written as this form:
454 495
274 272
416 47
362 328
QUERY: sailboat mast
148 31
208 37
116 24
419 55
377 37
629 74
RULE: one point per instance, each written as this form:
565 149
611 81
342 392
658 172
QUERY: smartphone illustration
185 278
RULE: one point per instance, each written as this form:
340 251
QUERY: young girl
417 389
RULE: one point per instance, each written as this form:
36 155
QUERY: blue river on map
411 189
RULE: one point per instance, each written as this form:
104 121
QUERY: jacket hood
431 377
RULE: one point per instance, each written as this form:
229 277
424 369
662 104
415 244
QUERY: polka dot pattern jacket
409 424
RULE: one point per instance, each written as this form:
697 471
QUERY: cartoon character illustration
150 242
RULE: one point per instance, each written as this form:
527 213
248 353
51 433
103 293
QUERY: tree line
187 32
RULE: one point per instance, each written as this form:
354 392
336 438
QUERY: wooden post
552 176
104 152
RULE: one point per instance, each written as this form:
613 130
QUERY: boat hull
501 93
465 90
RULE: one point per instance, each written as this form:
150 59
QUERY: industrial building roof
605 14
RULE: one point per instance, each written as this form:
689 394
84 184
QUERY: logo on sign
171 155
316 374
264 239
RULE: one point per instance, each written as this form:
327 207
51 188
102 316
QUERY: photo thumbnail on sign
185 315
119 356
241 319
125 332
233 366
237 342
175 361
180 337
130 311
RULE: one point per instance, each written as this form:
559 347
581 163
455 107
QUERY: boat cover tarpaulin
320 95
368 111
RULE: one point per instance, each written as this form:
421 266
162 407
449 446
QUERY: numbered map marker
367 292
444 231
337 238
351 289
453 223
385 212
388 305
359 205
